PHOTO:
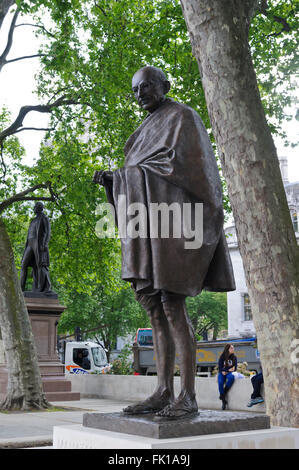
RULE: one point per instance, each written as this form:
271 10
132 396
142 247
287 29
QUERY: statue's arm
47 233
103 177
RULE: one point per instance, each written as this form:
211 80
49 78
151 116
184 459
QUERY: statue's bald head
153 72
39 207
150 86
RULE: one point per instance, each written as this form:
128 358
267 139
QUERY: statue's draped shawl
169 159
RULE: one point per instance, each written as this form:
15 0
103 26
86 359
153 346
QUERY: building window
246 307
295 221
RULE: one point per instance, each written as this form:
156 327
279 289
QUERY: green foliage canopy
208 311
90 52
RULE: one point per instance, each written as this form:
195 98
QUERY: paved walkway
35 429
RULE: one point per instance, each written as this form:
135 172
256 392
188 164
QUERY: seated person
257 380
227 364
82 359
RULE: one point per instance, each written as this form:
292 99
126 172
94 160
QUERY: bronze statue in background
36 253
169 158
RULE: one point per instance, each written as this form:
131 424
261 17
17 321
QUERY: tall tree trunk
4 7
219 36
24 389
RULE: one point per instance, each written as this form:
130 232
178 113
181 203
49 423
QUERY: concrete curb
26 442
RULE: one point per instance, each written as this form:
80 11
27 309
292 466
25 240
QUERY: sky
17 85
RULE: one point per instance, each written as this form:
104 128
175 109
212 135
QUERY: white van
85 357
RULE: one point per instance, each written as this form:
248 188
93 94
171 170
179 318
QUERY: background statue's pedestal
44 313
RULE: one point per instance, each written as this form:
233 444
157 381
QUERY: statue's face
149 89
38 207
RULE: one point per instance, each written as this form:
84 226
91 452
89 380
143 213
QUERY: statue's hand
100 176
108 175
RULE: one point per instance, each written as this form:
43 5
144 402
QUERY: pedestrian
257 380
227 364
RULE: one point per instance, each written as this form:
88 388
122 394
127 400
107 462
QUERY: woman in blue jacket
227 364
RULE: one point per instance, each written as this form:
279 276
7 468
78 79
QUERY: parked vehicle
144 337
207 353
84 357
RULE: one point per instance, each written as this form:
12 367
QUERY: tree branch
263 6
3 57
9 40
2 161
22 196
101 8
35 129
40 26
22 58
205 327
46 108
285 26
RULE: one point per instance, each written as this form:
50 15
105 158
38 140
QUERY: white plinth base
79 437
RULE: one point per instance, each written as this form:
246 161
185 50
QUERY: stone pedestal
210 429
44 313
80 437
205 422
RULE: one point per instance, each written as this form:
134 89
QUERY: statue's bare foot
154 403
183 407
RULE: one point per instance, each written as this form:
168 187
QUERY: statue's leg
47 286
41 279
35 277
182 332
24 267
36 265
164 351
165 355
44 284
23 277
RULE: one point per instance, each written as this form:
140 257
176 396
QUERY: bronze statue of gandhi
169 159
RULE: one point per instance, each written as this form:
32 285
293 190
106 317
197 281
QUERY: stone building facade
240 322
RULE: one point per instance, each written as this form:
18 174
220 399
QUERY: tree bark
219 37
4 7
24 389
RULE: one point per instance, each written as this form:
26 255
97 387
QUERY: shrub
123 365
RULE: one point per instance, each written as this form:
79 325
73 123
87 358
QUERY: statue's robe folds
43 232
169 159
